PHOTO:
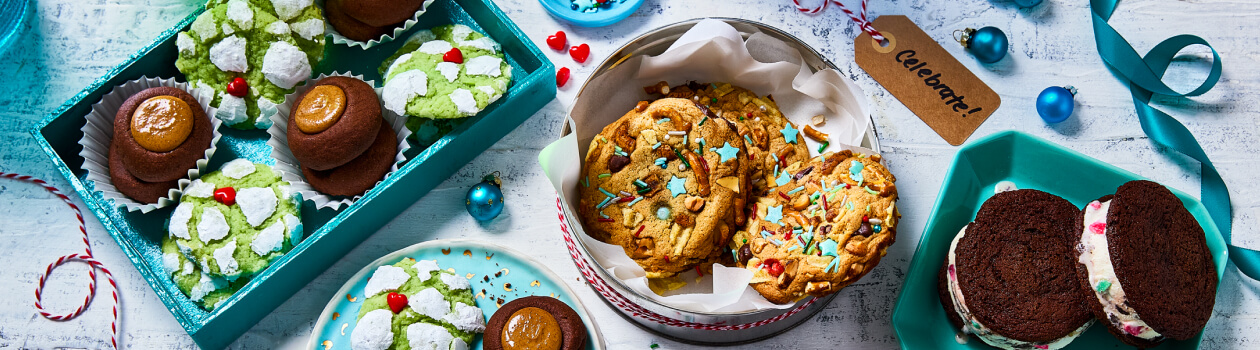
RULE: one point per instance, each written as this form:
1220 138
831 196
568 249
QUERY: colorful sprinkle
855 172
678 133
869 190
604 204
662 120
636 200
775 214
604 175
677 186
702 120
683 159
662 213
661 162
748 140
1098 227
1103 286
606 193
783 179
727 152
789 133
641 227
657 145
586 181
784 196
823 146
640 183
795 190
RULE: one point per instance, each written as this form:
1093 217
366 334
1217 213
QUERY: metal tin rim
634 47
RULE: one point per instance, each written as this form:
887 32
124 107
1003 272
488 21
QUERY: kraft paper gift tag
925 78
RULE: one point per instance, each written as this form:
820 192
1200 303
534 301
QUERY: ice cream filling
973 326
1102 275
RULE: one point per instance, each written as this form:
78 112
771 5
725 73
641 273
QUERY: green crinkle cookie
420 84
242 239
204 290
409 316
248 39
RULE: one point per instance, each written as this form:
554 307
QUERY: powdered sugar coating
285 65
270 239
308 29
449 70
466 318
238 12
228 265
287 9
454 282
373 331
178 226
429 302
213 225
424 336
199 189
464 102
257 203
238 168
436 47
386 278
484 65
402 87
425 268
229 55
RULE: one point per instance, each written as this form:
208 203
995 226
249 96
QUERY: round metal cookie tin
673 323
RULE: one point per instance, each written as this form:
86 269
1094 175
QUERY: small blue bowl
562 9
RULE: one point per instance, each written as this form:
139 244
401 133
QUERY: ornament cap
963 37
493 178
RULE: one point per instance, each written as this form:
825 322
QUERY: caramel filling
320 109
161 123
532 328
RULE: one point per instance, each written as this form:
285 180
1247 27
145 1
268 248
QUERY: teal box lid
1029 162
331 234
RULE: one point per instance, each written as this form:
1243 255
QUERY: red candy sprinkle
773 266
865 219
226 195
1098 227
562 76
454 56
238 87
580 52
558 41
396 301
1134 330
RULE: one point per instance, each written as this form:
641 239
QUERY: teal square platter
330 233
1029 162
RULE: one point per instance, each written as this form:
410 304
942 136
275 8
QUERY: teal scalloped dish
612 11
499 275
1029 162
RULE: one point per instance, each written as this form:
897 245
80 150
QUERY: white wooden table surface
71 42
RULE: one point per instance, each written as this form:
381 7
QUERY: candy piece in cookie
827 224
1133 247
362 172
160 133
1008 275
667 183
334 122
535 322
439 313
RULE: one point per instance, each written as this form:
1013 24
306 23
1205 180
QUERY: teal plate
493 268
1029 162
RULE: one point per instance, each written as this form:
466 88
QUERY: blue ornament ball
1055 104
484 201
988 44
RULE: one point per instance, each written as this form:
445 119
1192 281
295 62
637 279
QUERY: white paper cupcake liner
337 38
288 165
98 132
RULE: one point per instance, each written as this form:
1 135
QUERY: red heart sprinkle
580 52
226 195
238 87
558 41
562 76
396 301
454 56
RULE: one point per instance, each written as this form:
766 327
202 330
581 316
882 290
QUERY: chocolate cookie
353 28
667 183
167 117
1010 273
1145 261
334 122
361 173
540 318
774 142
381 13
139 190
823 225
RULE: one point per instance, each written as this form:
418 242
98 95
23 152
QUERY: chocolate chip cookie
668 183
823 225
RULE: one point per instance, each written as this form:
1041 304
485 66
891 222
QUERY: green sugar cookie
420 83
256 222
271 44
435 309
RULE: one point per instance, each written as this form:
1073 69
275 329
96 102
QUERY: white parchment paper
712 51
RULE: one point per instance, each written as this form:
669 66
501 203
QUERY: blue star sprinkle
783 179
789 133
775 214
727 152
677 186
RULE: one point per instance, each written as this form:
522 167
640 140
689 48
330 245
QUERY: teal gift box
1029 162
330 233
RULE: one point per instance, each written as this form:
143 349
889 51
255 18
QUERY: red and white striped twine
630 308
85 257
860 18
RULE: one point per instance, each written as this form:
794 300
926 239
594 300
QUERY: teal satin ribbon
1145 78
